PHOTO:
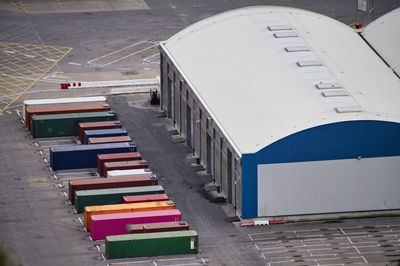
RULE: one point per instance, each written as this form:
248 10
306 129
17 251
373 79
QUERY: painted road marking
37 182
349 245
123 53
22 65
75 64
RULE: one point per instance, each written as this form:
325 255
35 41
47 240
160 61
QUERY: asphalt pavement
45 43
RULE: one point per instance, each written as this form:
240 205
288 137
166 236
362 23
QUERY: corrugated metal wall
329 186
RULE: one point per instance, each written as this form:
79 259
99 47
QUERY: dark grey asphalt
37 227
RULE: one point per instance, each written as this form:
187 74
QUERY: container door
192 243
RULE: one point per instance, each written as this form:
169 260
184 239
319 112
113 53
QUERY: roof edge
201 100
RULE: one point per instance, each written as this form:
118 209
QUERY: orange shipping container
127 207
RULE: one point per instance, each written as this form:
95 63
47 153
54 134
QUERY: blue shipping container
103 133
84 156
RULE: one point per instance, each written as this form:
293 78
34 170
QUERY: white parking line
129 55
151 56
282 261
74 178
56 140
183 264
74 173
130 262
117 51
364 259
75 64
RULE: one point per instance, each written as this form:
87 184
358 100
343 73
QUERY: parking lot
344 242
43 44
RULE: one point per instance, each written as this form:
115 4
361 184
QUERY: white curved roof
238 65
383 34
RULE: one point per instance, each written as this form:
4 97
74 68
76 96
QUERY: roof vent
285 34
328 86
308 63
297 49
335 93
348 109
279 27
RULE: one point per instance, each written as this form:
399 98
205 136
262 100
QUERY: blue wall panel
342 140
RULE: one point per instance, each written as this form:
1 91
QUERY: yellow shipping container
127 207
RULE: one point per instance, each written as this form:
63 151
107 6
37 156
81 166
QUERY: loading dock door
209 155
230 177
189 134
329 186
169 90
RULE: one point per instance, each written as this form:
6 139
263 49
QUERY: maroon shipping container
105 140
157 227
115 157
63 109
96 125
116 182
124 165
145 198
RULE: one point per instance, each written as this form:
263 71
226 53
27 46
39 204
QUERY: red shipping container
124 165
157 227
63 109
102 183
115 157
102 225
96 125
117 139
145 198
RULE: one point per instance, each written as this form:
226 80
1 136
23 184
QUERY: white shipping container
119 173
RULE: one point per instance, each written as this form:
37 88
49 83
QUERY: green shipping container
152 244
96 197
58 125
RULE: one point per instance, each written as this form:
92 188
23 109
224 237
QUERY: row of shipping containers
124 205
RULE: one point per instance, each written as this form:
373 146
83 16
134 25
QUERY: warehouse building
290 111
383 35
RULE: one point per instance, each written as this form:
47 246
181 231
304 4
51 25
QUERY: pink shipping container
103 225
